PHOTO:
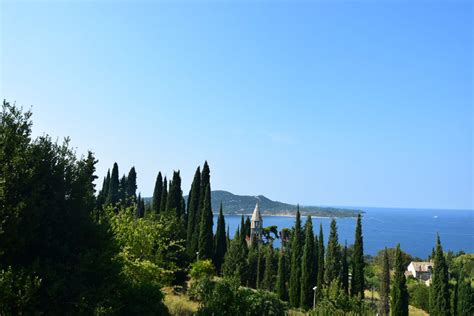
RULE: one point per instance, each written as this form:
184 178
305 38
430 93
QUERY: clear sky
360 103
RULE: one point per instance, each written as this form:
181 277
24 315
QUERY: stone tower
256 225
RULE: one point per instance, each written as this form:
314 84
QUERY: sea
414 229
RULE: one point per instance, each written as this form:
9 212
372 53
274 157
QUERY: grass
179 304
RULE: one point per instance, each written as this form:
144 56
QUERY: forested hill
245 204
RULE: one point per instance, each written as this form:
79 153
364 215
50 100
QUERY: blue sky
331 103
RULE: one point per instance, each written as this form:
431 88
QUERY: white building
420 270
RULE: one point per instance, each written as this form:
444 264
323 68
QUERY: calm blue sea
414 229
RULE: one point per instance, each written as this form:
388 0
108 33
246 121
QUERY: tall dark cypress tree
281 290
439 289
242 229
333 255
345 271
131 186
308 275
316 259
123 189
385 286
175 196
260 267
205 181
220 242
321 264
157 193
164 196
192 234
270 273
252 260
399 291
465 301
247 226
113 192
296 253
358 265
140 206
102 196
205 229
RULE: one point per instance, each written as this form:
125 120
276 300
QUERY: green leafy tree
220 242
333 255
399 291
192 234
384 287
308 274
465 301
358 282
439 289
296 254
157 193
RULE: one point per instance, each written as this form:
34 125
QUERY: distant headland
244 204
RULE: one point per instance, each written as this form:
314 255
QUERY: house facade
420 270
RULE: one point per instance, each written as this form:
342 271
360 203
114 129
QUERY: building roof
256 216
422 266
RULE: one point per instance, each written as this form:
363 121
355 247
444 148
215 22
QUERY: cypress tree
157 193
252 260
174 201
281 277
358 284
295 273
192 234
123 189
399 292
260 268
242 230
345 271
465 301
308 275
439 289
269 274
247 226
113 192
205 228
164 196
320 278
316 259
333 256
221 242
131 186
205 181
140 206
385 286
234 260
102 196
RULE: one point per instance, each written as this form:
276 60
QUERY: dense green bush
18 292
419 295
227 298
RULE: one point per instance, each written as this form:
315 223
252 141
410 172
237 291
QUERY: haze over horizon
317 103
